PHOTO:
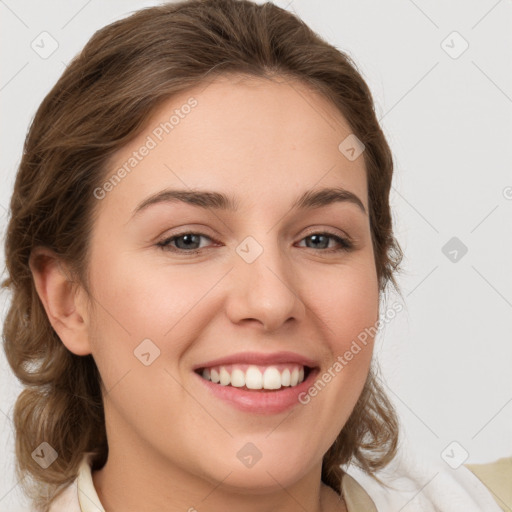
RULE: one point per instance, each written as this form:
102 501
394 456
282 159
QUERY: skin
171 445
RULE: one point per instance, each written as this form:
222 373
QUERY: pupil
188 239
315 238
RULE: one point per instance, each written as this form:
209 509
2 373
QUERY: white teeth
237 378
214 376
285 377
271 378
294 377
253 378
225 378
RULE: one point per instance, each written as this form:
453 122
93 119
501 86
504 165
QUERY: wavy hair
101 102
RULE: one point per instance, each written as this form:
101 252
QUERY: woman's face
252 281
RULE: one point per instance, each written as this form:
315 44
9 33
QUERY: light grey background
446 358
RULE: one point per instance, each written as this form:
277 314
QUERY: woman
199 241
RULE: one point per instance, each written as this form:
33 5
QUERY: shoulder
497 477
403 482
80 495
67 500
356 498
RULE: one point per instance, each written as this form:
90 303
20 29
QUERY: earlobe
58 294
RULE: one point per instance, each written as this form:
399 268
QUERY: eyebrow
310 199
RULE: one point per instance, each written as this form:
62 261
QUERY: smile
255 377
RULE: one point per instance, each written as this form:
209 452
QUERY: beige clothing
497 477
81 496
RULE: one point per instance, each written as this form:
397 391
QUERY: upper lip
259 358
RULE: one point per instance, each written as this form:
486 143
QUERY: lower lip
260 402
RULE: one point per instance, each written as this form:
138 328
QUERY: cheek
136 301
142 300
345 299
345 302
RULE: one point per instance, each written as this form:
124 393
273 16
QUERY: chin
259 482
266 475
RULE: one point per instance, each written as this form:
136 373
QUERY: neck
140 481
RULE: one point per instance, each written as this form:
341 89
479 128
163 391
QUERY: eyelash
345 244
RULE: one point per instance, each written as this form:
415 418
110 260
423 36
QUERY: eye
321 241
187 242
190 242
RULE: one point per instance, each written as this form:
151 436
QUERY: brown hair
101 102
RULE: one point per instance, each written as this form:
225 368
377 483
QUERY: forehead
249 137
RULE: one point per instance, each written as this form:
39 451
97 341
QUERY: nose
264 291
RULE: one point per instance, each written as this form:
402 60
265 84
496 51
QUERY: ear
63 300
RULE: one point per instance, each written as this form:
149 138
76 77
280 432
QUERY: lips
257 371
271 392
259 358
